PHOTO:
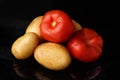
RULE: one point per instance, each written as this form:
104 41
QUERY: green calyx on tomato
56 26
86 45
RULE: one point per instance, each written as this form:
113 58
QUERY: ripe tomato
56 26
86 45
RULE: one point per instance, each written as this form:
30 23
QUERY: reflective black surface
30 70
15 17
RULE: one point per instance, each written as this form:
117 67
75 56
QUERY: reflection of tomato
86 45
56 26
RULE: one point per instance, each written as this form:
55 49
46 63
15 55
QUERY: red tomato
86 45
56 26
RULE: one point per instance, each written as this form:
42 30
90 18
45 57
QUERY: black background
15 15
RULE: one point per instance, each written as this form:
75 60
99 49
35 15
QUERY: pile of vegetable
55 38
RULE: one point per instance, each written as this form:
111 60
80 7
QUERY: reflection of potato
77 25
34 26
24 46
52 56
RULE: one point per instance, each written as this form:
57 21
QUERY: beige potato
53 56
34 26
24 46
77 25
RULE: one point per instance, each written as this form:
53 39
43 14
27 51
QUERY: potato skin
24 46
34 26
53 56
77 25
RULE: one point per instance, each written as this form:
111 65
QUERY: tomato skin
56 26
86 45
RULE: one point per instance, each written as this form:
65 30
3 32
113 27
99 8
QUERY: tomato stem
53 24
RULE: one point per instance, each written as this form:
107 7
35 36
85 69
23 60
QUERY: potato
24 46
53 56
77 25
34 26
